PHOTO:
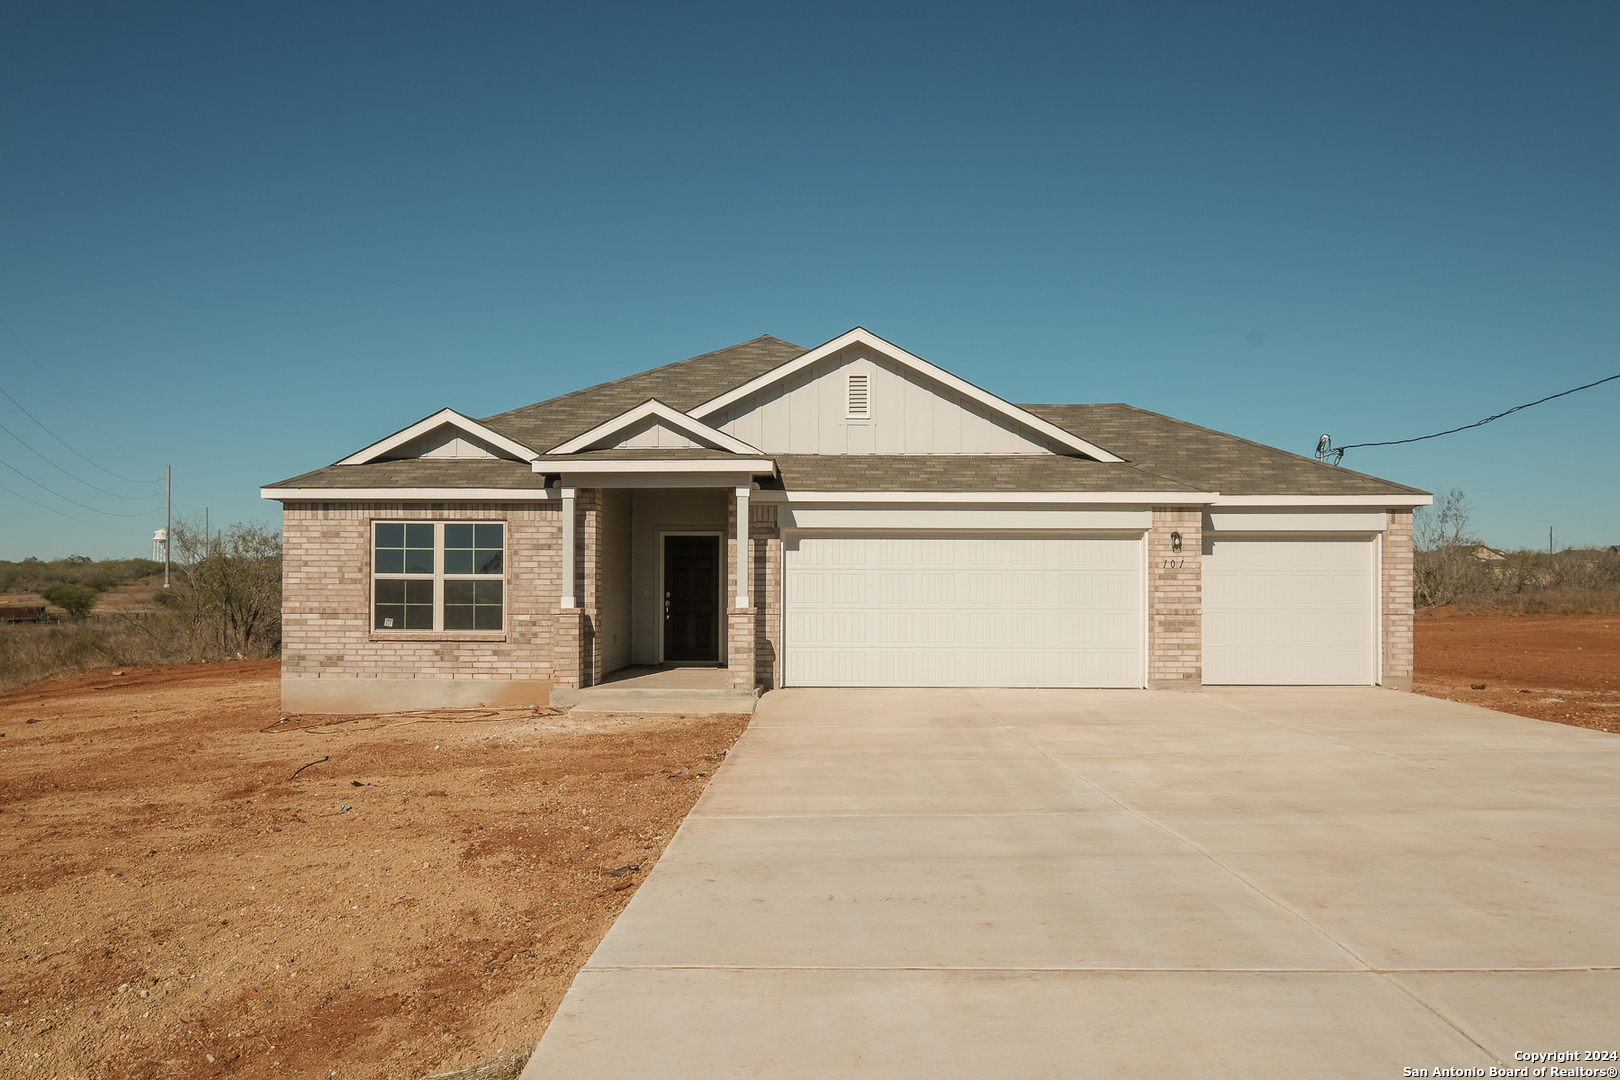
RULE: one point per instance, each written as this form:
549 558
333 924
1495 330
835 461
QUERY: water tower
160 545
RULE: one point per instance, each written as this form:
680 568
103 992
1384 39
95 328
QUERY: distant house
844 515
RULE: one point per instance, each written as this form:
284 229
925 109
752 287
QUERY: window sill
439 635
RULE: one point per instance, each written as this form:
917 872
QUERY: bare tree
229 585
1444 563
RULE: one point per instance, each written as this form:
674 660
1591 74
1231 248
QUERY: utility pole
1549 541
168 519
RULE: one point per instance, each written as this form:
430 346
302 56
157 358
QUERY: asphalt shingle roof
422 472
1003 472
1161 453
1209 460
683 386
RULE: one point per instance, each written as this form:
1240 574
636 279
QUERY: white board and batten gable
445 434
652 425
859 394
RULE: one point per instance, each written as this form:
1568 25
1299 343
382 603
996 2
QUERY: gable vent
859 397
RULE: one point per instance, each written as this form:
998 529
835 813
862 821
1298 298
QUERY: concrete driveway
1025 883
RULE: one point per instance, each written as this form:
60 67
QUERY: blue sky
248 239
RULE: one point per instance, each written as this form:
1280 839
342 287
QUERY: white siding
649 434
1289 611
962 611
447 441
910 414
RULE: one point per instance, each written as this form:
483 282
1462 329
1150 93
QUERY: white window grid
438 577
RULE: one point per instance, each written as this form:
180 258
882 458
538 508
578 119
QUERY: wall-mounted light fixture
1175 541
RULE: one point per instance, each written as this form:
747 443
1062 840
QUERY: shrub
77 600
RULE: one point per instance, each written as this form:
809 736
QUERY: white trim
1108 498
960 518
438 577
570 573
687 425
744 563
578 467
1225 521
1378 608
437 420
1146 602
1401 501
861 336
409 494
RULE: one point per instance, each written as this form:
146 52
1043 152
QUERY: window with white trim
438 575
859 396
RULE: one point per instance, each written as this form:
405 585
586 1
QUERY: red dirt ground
176 903
1564 668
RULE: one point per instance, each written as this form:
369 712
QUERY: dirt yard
1564 668
191 888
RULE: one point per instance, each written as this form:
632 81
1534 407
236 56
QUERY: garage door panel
960 611
1289 611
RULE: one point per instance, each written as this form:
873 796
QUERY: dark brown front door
691 598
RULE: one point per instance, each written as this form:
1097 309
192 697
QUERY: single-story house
846 515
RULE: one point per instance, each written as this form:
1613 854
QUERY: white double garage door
1067 611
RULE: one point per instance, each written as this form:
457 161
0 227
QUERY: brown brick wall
326 585
1397 597
1175 598
766 595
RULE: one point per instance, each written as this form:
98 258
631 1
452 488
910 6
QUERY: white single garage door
1297 611
962 611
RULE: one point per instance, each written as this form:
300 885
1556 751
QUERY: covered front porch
666 578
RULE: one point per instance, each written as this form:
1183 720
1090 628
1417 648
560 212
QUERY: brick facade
1175 599
766 594
1396 593
326 607
328 640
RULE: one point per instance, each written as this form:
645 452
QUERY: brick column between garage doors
1396 593
1175 599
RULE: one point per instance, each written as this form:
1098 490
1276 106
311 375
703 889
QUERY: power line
43 370
80 479
75 453
70 517
75 502
1325 448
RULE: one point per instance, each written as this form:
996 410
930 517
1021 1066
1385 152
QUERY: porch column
568 571
743 559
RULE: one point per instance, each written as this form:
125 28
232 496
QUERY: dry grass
1568 600
29 653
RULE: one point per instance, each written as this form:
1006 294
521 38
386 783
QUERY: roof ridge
641 374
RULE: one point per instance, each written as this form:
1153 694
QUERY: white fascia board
409 494
656 480
1398 501
577 467
1102 498
962 518
1263 520
681 422
439 419
862 336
